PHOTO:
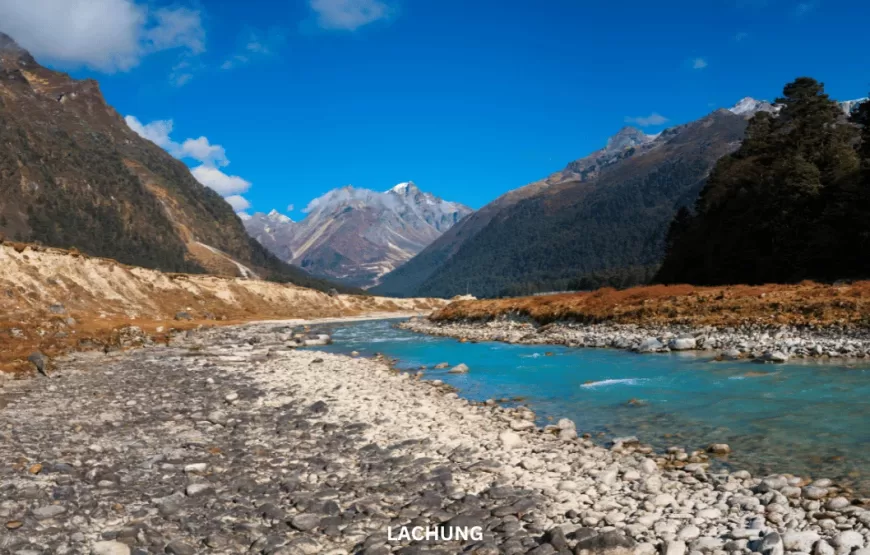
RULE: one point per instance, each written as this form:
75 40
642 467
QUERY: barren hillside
53 300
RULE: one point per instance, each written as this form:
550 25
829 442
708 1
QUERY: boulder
459 369
774 356
40 362
649 345
682 344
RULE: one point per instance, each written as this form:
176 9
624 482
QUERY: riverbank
228 441
56 301
751 341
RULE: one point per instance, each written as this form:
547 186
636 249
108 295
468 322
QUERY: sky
275 102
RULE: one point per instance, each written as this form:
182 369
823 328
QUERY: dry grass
803 304
103 296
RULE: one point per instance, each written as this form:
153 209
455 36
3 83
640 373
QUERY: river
810 419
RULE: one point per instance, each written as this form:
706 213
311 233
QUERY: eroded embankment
226 441
54 300
770 322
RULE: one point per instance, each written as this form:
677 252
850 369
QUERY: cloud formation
645 121
699 63
105 35
348 15
238 202
210 156
255 45
225 185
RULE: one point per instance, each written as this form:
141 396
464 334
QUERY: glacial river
810 419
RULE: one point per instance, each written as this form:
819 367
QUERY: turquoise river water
809 419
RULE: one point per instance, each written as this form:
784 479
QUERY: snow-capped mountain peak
276 216
749 106
402 188
357 235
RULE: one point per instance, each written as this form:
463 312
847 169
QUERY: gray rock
110 548
845 541
305 522
649 345
682 344
611 542
674 548
814 492
49 511
40 362
459 369
799 541
179 547
772 544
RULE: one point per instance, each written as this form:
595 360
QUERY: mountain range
602 220
355 236
74 175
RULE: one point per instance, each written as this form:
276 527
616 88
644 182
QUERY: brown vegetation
804 304
55 300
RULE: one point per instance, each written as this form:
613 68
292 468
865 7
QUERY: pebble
110 548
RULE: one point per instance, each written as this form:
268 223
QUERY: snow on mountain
749 106
850 106
358 235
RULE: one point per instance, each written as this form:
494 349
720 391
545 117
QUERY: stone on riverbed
459 369
110 548
649 345
510 440
774 356
683 343
730 354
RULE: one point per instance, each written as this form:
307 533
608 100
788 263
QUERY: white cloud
255 45
741 36
238 202
176 28
348 15
225 185
289 208
201 149
210 156
106 35
699 63
235 61
644 121
157 131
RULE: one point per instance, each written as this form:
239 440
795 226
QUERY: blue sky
467 98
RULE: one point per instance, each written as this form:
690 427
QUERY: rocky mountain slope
73 174
600 221
356 235
604 213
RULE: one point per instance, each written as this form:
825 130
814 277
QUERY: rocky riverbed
761 343
230 441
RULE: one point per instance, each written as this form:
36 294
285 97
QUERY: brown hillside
804 304
55 300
